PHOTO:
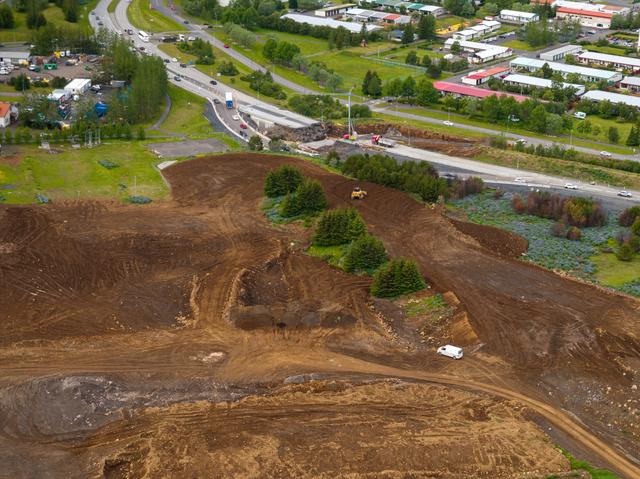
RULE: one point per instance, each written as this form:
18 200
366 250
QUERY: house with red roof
5 114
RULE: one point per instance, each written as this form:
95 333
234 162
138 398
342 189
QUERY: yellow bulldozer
358 194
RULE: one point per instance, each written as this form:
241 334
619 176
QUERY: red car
243 126
226 46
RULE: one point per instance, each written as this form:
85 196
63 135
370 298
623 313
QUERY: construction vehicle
358 194
379 140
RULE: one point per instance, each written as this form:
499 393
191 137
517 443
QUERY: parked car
450 351
625 194
570 186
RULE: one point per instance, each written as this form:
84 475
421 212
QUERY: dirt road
141 342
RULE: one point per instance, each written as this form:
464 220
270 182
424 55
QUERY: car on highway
174 60
100 24
92 12
183 65
191 39
521 141
166 60
186 22
625 194
177 78
216 101
141 49
570 186
605 154
243 126
448 123
213 82
520 180
226 46
236 117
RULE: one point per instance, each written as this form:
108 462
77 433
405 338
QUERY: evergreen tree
407 34
365 82
308 198
375 86
6 16
293 4
427 27
613 134
411 58
398 277
339 226
365 254
282 181
255 143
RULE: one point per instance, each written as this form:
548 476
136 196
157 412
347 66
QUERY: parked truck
228 99
379 140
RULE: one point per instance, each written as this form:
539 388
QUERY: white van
453 352
580 115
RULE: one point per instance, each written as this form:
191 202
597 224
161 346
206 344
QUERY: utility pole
349 111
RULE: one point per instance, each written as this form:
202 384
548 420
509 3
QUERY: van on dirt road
450 351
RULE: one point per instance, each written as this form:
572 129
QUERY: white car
520 180
521 141
236 117
174 60
605 153
625 194
570 186
448 123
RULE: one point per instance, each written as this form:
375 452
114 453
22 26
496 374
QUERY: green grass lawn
623 150
519 45
612 272
77 172
53 14
610 50
334 255
186 115
308 45
150 20
623 129
112 6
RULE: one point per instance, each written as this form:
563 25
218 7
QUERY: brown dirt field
144 342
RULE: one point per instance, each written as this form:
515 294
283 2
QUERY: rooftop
517 13
5 109
336 7
328 22
605 57
472 91
564 68
539 82
487 73
631 81
590 13
599 95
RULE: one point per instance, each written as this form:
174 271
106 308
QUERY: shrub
635 227
398 277
518 205
339 226
468 186
365 254
139 200
574 211
625 253
308 199
108 164
282 180
628 216
574 234
558 229
227 68
497 194
255 143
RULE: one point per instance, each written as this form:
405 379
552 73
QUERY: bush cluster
413 177
201 49
365 254
469 186
339 226
263 83
398 277
307 199
573 211
628 216
282 181
629 241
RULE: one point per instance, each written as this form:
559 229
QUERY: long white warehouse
599 95
536 82
482 52
353 27
614 61
586 74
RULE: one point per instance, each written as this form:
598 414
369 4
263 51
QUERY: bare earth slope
175 339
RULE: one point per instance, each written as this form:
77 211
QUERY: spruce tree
632 139
365 82
365 254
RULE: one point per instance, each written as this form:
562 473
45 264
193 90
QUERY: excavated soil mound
499 241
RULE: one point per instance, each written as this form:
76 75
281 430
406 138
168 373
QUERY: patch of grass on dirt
612 272
573 257
417 307
596 473
76 173
334 255
271 208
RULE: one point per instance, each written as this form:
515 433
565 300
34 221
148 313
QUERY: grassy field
612 272
186 115
112 6
560 168
150 20
460 119
76 173
519 45
609 50
53 14
623 129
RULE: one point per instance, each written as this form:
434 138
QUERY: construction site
192 337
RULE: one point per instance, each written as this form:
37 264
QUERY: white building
535 82
483 28
433 10
612 61
78 86
15 57
586 18
631 84
599 95
328 22
560 53
334 10
5 114
58 95
514 16
585 74
482 52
